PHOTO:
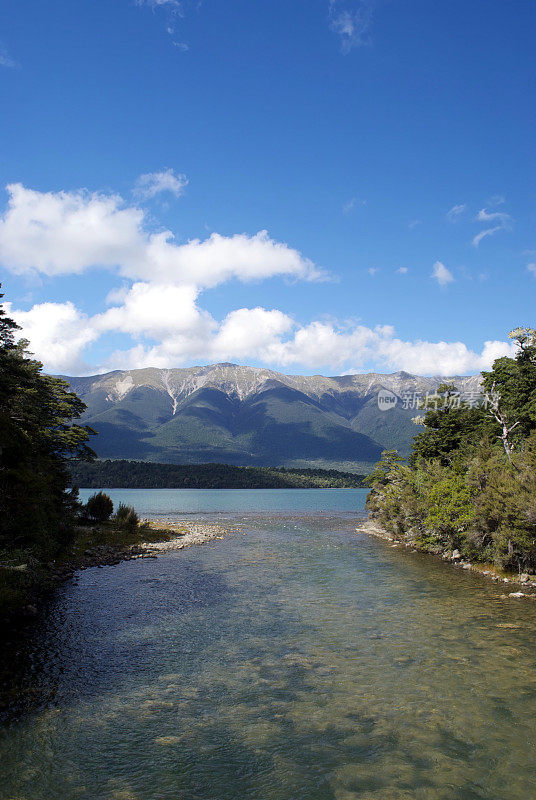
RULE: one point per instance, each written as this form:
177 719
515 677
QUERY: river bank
452 557
26 581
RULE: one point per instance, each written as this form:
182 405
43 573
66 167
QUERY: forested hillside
470 482
246 416
145 475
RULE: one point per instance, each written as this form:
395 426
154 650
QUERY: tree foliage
146 475
38 436
471 479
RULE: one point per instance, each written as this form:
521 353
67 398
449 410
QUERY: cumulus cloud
67 232
402 271
60 233
350 20
441 274
169 329
58 334
157 311
153 183
158 308
532 268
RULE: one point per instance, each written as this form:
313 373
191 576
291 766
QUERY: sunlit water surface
291 660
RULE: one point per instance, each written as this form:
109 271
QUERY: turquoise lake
292 660
180 501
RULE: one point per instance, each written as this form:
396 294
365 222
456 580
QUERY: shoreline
371 528
153 538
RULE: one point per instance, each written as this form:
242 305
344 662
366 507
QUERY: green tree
38 436
382 473
513 381
448 425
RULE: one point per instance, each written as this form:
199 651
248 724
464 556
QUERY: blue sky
386 148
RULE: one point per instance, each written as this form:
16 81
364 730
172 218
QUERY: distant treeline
146 475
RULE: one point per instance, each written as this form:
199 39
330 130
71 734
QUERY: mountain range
251 416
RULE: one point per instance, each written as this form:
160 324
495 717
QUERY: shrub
450 510
100 507
126 517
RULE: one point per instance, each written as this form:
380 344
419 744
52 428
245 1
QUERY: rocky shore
191 533
162 538
452 557
153 538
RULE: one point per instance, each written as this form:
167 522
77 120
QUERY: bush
126 517
100 507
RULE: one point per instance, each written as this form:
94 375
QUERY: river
292 659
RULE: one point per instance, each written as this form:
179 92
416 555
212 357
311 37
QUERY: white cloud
372 271
402 271
488 232
441 358
503 223
350 19
250 330
67 232
158 308
456 211
441 274
490 216
60 233
152 183
414 223
532 268
172 330
58 334
156 311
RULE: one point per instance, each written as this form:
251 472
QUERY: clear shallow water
293 659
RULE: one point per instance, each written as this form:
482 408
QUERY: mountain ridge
252 415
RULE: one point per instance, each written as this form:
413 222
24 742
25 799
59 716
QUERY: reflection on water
293 659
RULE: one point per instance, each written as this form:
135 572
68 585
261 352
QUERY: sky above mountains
314 186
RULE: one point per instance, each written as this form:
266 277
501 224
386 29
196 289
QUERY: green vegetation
38 435
470 482
145 475
99 507
126 517
41 520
